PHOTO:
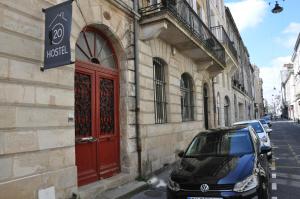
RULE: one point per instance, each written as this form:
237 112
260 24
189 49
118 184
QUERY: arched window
235 108
187 97
227 111
94 48
160 102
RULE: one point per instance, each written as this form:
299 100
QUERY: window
94 48
218 109
221 143
160 103
187 97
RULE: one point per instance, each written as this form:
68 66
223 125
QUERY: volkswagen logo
204 188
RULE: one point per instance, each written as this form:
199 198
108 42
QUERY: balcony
222 36
178 24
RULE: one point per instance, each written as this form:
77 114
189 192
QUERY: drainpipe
137 88
214 102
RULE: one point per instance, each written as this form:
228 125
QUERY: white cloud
248 13
289 35
293 28
271 76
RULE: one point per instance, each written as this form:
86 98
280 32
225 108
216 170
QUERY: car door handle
86 140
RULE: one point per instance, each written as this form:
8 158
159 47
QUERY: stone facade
37 148
37 130
258 82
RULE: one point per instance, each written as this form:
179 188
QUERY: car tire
270 157
265 191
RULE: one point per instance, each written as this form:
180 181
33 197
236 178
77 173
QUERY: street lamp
277 8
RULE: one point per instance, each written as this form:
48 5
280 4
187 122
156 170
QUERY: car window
221 143
263 121
257 127
255 138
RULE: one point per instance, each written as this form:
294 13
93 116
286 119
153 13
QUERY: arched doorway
227 111
96 107
205 105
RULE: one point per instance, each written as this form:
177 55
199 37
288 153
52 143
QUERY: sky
270 38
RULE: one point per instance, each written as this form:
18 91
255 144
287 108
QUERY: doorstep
95 189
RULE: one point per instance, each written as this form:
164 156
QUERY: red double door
96 123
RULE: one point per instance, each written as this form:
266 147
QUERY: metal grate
187 98
160 102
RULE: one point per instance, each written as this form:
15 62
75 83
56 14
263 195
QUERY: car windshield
263 121
257 127
234 142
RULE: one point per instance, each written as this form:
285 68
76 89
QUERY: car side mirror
270 124
180 154
265 149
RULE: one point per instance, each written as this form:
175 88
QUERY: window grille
187 98
160 102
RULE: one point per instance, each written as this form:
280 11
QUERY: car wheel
265 191
270 157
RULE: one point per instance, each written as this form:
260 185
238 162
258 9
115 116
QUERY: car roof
226 129
245 122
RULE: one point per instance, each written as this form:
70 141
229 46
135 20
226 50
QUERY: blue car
267 118
223 163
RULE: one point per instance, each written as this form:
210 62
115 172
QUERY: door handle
85 140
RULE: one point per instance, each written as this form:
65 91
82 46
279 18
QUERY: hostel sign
58 21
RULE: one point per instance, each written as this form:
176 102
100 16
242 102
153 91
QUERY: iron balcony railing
185 14
221 34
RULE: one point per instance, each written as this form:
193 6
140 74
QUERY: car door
262 160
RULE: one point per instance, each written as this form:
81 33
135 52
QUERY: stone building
290 78
296 64
258 94
142 85
288 91
234 87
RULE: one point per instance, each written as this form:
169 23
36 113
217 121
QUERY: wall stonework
155 152
37 147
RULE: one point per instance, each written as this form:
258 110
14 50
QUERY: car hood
213 169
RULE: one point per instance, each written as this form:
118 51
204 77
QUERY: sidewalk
154 187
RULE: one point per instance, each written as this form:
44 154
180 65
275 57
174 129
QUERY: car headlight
249 183
173 185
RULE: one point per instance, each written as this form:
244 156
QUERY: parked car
268 119
221 163
261 132
266 126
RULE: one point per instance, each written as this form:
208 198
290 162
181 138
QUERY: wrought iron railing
223 37
184 13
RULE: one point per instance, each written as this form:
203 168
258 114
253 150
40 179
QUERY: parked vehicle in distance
266 126
262 134
268 119
222 163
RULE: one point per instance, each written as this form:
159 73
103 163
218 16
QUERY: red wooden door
96 107
85 132
107 124
96 123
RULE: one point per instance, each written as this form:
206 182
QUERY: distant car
265 125
222 163
267 118
262 134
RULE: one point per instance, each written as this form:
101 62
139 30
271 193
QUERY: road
286 161
285 166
